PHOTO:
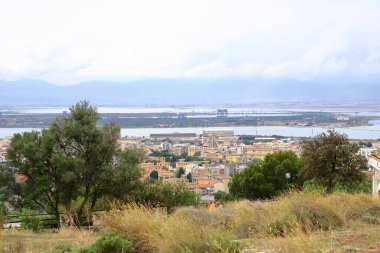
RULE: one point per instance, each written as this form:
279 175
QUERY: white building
366 152
374 164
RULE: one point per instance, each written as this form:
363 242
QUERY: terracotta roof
376 157
192 186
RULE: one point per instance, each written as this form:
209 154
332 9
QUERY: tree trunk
57 219
84 202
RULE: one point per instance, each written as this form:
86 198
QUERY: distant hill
183 92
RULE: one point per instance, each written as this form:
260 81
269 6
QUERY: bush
135 223
158 194
223 196
109 244
312 187
63 248
284 226
30 222
250 218
153 230
363 186
313 215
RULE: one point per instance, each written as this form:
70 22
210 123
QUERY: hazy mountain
183 92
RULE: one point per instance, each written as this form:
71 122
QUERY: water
361 132
364 110
6 132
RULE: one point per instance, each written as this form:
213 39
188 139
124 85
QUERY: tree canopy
153 175
330 158
265 179
73 161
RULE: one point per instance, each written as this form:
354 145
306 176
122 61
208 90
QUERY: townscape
206 162
211 126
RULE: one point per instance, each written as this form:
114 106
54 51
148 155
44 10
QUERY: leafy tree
365 144
180 172
94 148
73 161
49 174
265 179
5 178
122 176
330 158
190 177
154 175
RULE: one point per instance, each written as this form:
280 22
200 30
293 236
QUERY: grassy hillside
298 222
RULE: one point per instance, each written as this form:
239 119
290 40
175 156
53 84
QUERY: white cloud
68 41
326 57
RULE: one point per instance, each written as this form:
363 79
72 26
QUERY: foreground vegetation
297 222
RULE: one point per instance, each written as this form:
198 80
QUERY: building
374 164
173 136
222 113
366 152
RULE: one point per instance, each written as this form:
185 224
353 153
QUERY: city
202 126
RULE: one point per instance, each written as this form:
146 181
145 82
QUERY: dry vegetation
13 240
298 222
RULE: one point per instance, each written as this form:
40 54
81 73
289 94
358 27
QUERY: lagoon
371 132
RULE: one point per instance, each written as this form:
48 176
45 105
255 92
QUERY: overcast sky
72 41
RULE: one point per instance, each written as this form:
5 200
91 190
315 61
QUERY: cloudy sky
71 41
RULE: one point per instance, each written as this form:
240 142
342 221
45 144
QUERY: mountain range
161 92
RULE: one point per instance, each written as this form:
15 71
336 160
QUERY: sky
72 41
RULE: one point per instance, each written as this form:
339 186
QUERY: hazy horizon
71 42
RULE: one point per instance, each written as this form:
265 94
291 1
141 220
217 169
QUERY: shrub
153 230
284 226
135 223
250 218
312 187
109 244
158 194
363 186
30 222
63 248
223 196
314 215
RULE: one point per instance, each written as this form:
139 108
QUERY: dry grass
297 222
152 230
13 240
287 224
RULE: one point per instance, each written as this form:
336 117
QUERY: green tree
190 177
267 178
180 172
73 161
184 155
154 175
49 173
5 178
330 159
94 147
